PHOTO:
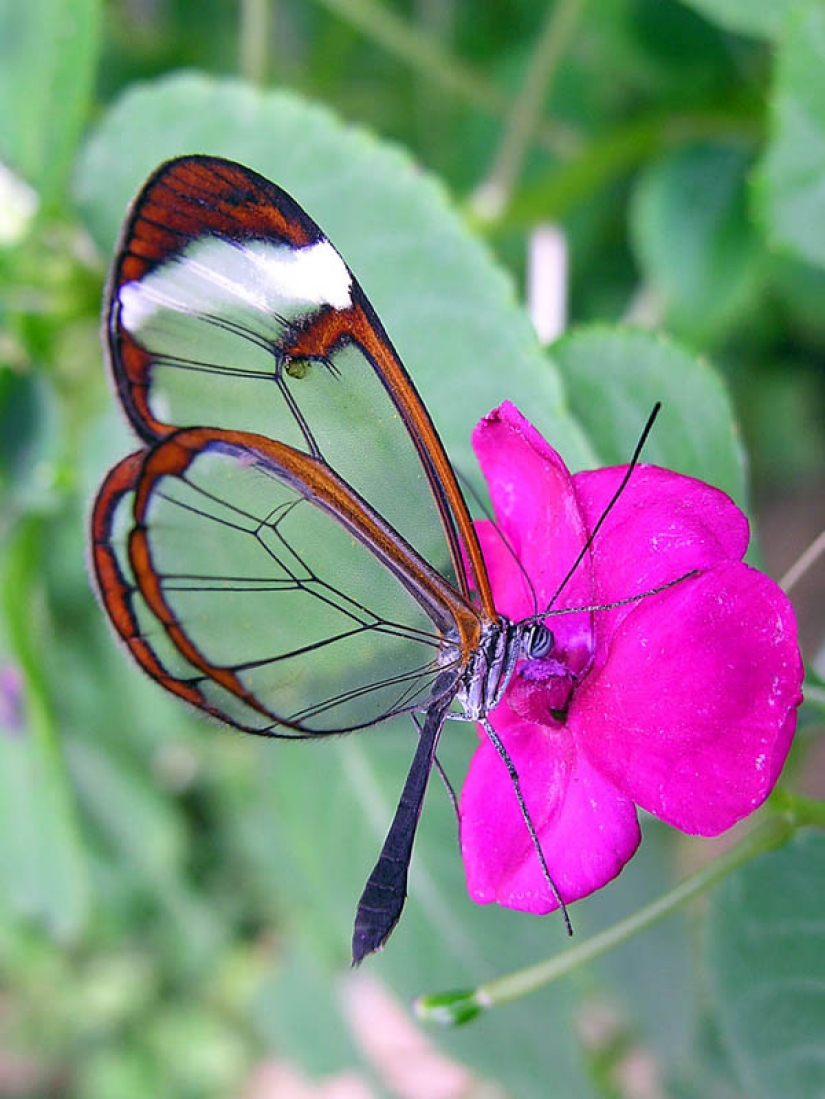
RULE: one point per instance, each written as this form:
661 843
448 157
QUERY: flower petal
588 830
663 525
693 712
537 510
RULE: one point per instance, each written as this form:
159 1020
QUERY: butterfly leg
498 744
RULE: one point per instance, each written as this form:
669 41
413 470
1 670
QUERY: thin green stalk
611 157
254 40
524 118
451 1008
804 563
434 113
430 59
814 694
804 812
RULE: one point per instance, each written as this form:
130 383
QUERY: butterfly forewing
229 308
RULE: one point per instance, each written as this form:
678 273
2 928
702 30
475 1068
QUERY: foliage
177 900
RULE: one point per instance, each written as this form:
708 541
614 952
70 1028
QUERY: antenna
634 461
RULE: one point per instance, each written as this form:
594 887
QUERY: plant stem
492 195
804 563
429 58
802 811
254 40
606 159
457 1007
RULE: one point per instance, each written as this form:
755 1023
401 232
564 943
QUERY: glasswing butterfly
290 550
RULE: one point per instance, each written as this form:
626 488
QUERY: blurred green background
175 899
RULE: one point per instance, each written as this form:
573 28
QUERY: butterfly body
490 667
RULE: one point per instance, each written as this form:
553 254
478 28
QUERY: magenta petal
588 830
535 506
663 525
693 712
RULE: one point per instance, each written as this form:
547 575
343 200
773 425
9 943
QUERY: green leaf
134 817
146 834
41 865
48 57
448 309
766 955
762 18
693 237
615 377
705 1071
299 1009
792 173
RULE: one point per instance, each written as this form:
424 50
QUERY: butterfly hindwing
133 619
236 589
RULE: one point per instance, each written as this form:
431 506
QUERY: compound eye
539 642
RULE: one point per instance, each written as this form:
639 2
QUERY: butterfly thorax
490 668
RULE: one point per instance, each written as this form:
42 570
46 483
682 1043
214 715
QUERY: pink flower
683 703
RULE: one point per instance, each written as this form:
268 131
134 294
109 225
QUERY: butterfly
289 550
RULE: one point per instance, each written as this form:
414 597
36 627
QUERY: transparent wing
251 581
227 307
